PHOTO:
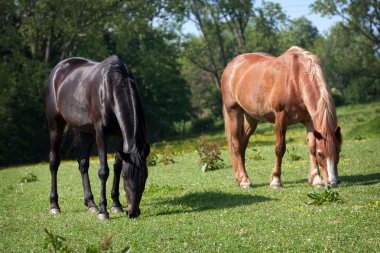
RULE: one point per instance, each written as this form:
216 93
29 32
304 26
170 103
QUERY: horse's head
327 149
135 173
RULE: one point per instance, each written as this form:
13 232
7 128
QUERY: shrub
209 153
168 156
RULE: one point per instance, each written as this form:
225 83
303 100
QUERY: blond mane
311 63
324 118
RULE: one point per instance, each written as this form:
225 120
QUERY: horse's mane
120 74
324 117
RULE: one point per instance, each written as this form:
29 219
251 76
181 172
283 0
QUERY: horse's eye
321 155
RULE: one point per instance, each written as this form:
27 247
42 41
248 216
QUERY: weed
167 156
152 159
105 246
327 195
55 243
359 138
58 244
293 155
257 155
29 177
209 153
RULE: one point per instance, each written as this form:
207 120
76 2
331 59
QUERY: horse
283 90
99 99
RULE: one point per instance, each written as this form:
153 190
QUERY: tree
300 32
350 65
263 31
362 16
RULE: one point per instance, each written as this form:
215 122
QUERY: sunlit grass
185 210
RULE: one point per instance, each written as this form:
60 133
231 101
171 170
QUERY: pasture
185 210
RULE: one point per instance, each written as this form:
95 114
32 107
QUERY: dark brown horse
99 99
283 90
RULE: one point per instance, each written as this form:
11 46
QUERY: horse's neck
130 118
321 108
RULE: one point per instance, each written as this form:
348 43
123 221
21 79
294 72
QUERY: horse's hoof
317 183
103 216
93 209
276 183
245 185
55 211
275 186
117 209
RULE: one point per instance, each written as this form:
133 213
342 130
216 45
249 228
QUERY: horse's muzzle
133 214
334 183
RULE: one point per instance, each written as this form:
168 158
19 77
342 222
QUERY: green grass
185 210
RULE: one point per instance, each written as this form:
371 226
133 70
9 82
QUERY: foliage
152 159
29 177
327 195
55 243
178 74
360 16
58 244
210 155
257 154
167 156
293 155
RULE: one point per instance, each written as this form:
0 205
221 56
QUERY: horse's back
244 83
67 91
261 84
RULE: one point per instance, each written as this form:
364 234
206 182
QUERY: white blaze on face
331 170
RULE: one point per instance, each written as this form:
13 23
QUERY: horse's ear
317 135
146 150
338 135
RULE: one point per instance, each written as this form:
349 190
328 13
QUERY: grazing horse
99 99
282 90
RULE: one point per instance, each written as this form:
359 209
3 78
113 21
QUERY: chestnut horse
282 90
99 99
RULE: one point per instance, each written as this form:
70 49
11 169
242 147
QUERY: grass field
185 210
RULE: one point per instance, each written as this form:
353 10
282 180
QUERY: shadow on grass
204 201
368 179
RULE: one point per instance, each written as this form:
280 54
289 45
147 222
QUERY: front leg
315 179
116 205
280 150
103 172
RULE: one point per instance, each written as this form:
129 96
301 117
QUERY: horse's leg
280 150
116 205
56 129
249 125
233 120
314 177
103 172
86 142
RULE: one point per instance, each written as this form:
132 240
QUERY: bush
209 153
167 156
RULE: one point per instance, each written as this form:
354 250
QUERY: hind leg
237 139
56 129
86 142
